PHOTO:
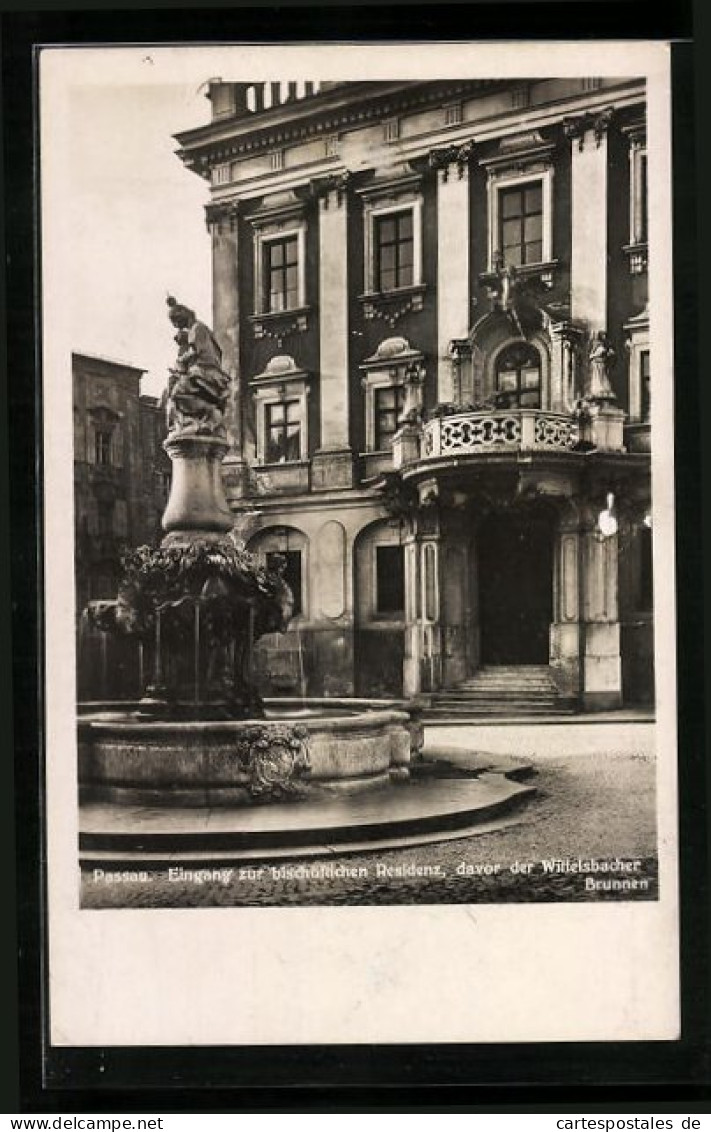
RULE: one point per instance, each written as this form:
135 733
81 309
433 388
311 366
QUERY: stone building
121 480
432 297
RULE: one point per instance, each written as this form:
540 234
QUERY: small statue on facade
198 387
504 291
601 359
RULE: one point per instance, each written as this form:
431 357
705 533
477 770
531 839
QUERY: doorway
515 553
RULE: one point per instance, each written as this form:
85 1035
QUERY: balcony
481 433
291 478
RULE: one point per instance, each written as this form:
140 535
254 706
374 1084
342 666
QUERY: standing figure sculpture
198 387
601 358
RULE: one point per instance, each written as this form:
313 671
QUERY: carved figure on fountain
198 387
198 606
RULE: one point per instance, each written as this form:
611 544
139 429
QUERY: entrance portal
515 553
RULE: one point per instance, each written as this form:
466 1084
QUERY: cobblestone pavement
595 800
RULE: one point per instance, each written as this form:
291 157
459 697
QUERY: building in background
432 297
121 481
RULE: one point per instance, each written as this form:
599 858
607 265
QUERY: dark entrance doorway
515 555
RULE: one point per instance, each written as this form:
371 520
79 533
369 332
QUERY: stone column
588 265
602 670
453 306
332 463
223 224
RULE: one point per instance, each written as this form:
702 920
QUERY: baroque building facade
432 299
121 481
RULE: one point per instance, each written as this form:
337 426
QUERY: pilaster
566 381
589 160
332 464
453 302
223 225
566 627
602 669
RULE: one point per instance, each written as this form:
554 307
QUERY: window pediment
528 152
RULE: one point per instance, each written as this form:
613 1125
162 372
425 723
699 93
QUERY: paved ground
595 801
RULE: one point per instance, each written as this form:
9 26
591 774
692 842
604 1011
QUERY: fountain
200 736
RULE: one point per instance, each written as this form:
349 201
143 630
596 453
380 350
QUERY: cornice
320 114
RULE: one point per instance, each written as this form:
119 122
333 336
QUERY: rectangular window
281 274
644 383
642 233
102 447
394 251
389 405
292 573
390 579
283 432
521 224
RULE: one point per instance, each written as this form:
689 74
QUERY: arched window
518 376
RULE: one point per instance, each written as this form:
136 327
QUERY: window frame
266 233
375 212
521 192
400 392
374 381
267 391
519 370
380 614
637 344
281 427
397 244
639 187
498 184
268 270
103 444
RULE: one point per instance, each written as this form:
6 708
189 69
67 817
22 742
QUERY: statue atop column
601 359
198 387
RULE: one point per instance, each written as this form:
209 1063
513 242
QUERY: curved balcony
506 430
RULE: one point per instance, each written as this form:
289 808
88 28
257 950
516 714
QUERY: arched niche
293 545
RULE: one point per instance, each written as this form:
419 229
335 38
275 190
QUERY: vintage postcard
359 535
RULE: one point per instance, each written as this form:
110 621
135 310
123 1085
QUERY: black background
620 1077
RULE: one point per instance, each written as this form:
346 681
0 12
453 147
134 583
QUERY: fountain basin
302 747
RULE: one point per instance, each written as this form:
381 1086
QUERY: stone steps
503 690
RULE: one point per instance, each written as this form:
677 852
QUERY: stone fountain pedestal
196 505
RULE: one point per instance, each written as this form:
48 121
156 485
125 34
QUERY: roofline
101 358
338 99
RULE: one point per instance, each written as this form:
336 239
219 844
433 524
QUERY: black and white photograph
357 368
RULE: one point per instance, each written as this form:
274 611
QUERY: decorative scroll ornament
390 308
221 213
337 183
280 325
446 156
578 125
275 757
